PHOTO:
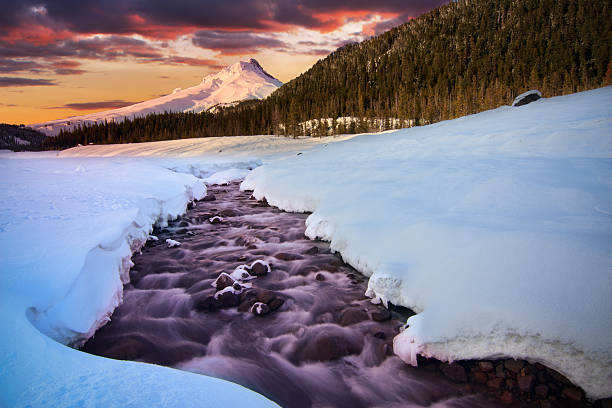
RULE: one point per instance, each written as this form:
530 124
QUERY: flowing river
289 320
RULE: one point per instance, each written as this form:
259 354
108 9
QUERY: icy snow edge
495 228
98 288
68 228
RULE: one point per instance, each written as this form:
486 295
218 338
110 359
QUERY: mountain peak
247 65
242 80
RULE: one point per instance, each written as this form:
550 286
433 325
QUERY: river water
301 333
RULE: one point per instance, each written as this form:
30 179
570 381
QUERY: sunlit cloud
94 105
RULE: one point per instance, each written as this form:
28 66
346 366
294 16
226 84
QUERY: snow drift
495 228
68 227
243 80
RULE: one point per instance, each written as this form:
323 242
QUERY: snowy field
496 228
68 226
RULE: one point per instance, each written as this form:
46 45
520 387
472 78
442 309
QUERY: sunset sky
60 58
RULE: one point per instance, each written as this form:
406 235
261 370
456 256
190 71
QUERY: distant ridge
240 81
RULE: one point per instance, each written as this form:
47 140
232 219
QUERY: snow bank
226 176
495 228
68 225
67 231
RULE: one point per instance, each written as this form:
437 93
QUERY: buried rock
328 348
454 372
276 303
352 316
327 342
527 97
381 315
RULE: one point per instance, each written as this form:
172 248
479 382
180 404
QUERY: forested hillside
19 138
461 58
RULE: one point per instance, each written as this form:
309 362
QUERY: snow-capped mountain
243 80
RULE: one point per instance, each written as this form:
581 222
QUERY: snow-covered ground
495 228
68 226
242 80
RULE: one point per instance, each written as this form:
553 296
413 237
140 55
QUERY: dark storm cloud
232 42
111 47
13 81
13 66
153 17
47 30
33 67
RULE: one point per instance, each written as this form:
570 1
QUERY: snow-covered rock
226 176
172 243
496 228
527 97
240 81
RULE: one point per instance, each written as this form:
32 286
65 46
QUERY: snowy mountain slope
496 228
243 80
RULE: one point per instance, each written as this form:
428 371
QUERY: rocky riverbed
234 289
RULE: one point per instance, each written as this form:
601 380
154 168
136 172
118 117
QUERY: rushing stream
300 332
